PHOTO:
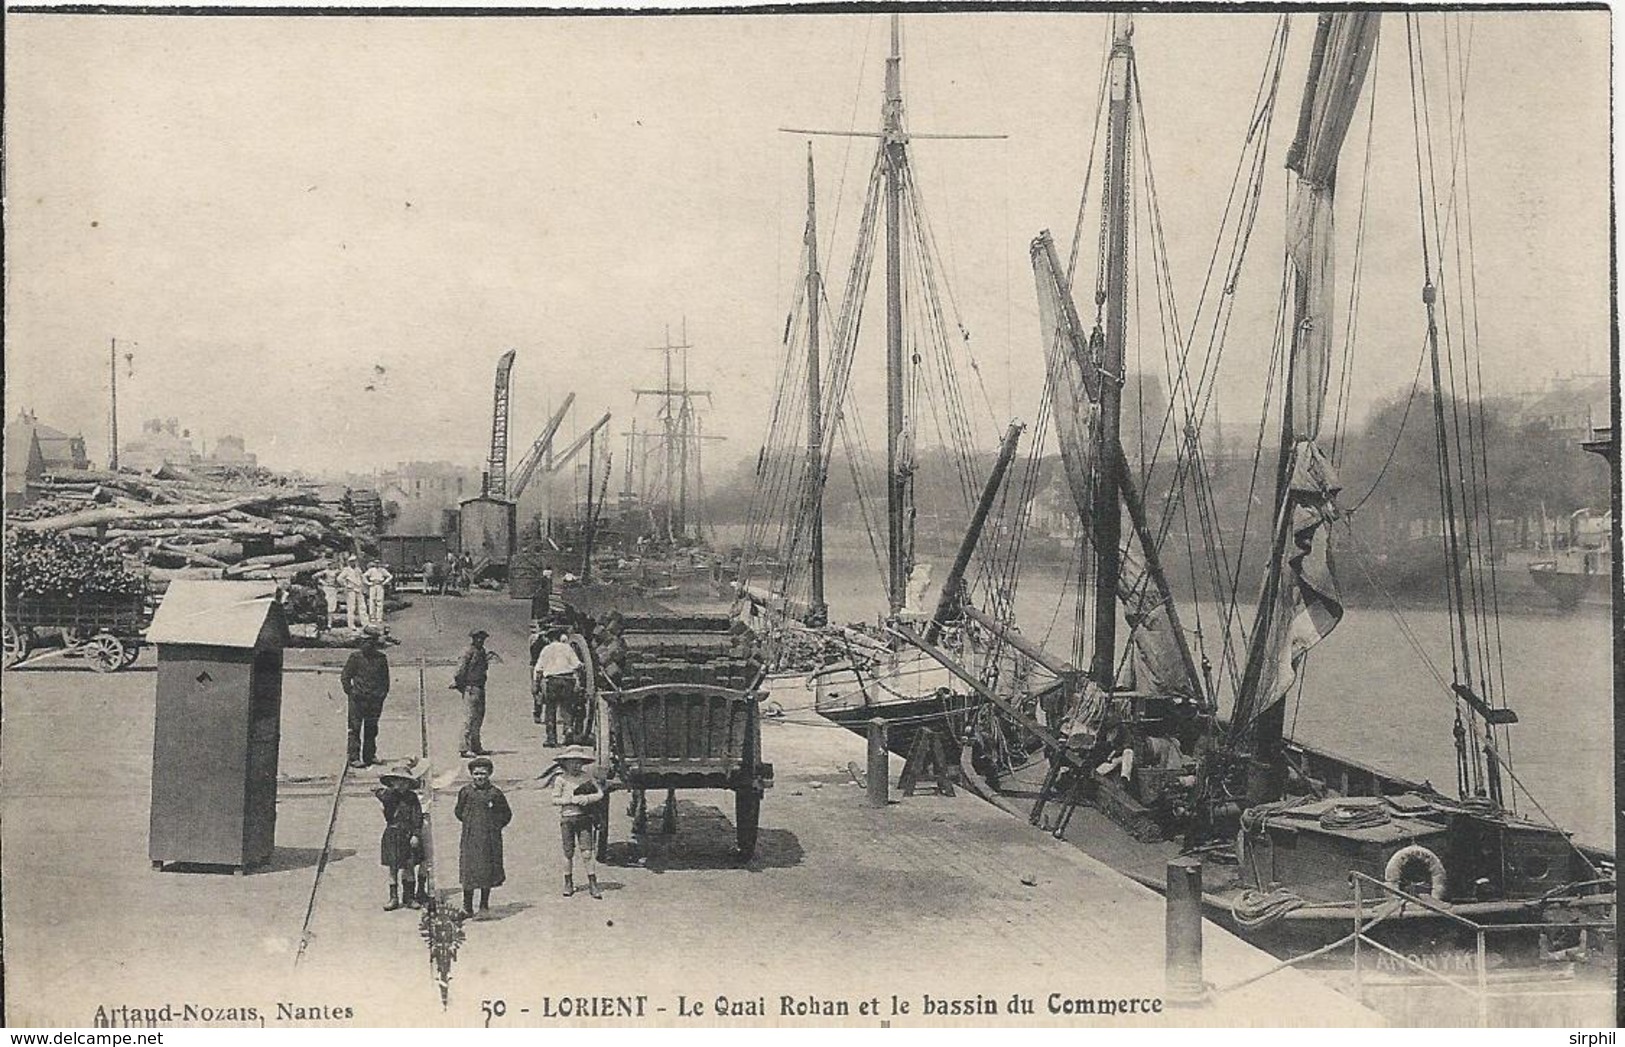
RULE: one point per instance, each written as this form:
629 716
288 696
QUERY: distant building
416 494
61 452
162 442
1570 406
24 462
229 450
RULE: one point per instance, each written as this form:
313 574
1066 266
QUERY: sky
273 214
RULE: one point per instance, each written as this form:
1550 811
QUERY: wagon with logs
687 715
105 629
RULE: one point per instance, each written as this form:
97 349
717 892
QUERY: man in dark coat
484 812
470 679
366 683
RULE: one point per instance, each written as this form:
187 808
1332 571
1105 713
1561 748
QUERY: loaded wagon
106 629
687 715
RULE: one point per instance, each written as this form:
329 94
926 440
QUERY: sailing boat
877 674
1302 845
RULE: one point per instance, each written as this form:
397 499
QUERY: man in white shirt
556 669
354 588
377 576
328 579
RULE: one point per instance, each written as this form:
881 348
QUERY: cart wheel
17 644
747 815
106 653
132 651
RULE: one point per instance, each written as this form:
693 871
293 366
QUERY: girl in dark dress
401 849
484 812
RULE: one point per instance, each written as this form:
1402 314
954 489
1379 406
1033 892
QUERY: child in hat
401 849
484 812
576 794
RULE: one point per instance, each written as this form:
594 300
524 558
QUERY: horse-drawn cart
104 628
687 716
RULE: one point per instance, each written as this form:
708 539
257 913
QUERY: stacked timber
241 524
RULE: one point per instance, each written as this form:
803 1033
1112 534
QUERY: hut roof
219 614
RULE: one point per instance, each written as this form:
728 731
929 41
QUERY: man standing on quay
377 577
556 668
470 680
355 593
366 683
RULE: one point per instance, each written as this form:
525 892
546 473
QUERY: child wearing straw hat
401 848
576 794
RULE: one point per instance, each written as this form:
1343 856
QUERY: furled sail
1301 605
1074 378
1158 664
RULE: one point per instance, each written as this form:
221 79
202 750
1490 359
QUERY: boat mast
897 475
1299 604
817 610
951 585
1107 515
684 434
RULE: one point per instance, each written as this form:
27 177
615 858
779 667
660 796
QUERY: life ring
1416 853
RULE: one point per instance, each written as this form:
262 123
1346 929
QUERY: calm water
1370 697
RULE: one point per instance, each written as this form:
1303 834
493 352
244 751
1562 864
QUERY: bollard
1184 932
879 764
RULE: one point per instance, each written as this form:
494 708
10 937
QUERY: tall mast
671 444
897 481
894 160
586 542
1299 604
1108 521
683 417
817 610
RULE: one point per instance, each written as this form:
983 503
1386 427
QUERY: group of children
483 809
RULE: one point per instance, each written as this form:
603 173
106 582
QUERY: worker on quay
610 649
448 573
365 680
327 579
377 577
470 680
557 667
576 794
541 600
483 809
355 592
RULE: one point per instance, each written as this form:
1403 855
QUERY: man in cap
557 667
366 683
470 680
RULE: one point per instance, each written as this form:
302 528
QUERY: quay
848 914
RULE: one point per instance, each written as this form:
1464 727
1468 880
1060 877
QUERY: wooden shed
488 534
218 723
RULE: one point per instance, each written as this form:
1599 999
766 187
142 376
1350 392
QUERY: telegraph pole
112 413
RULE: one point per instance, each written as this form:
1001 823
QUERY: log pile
239 524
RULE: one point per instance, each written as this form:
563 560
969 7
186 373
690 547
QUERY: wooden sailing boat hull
1437 939
909 694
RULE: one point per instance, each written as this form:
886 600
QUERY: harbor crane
525 471
496 475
